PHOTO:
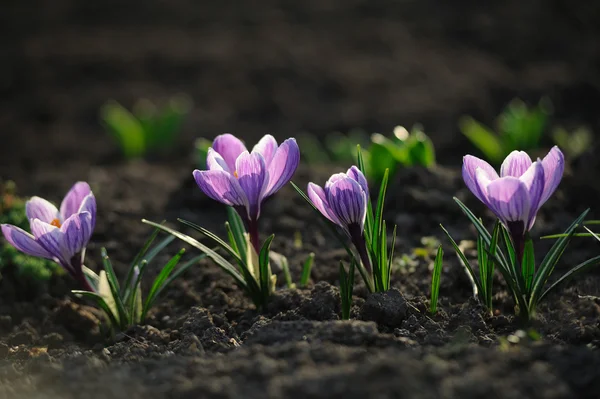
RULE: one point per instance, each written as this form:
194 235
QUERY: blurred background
285 67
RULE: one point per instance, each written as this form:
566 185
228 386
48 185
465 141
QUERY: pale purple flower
245 179
343 201
521 189
61 236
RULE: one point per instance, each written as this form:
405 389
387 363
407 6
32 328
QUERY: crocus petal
469 173
554 166
348 201
220 186
23 241
533 179
230 148
76 231
89 205
214 161
283 165
515 164
39 208
319 199
266 147
509 199
72 201
51 238
333 179
357 175
253 177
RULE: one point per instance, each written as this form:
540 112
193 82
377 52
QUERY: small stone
385 308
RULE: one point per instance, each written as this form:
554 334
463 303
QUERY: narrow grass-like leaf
218 259
583 266
436 280
391 256
114 289
213 237
138 257
91 276
528 266
263 262
346 288
464 260
287 275
551 259
159 281
482 260
100 302
180 270
378 216
306 268
236 225
369 221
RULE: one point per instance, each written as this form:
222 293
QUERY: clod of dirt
388 308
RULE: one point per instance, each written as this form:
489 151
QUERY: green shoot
436 280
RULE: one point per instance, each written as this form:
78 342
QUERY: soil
286 68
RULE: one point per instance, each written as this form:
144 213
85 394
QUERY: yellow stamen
55 222
236 175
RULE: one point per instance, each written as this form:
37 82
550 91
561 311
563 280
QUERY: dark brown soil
288 67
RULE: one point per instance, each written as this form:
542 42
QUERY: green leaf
346 288
218 259
160 280
126 129
285 266
114 289
528 266
265 270
306 268
436 280
238 231
378 217
369 221
583 266
464 260
100 302
213 237
391 256
482 138
182 269
550 261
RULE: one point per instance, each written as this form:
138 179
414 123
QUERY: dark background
284 67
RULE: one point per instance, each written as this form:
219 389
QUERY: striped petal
51 238
509 199
348 201
469 172
533 179
220 186
515 164
554 167
360 178
214 161
283 166
230 148
39 208
73 200
267 146
319 199
23 241
76 232
89 205
253 179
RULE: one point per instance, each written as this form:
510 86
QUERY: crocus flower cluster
61 236
244 180
516 195
343 201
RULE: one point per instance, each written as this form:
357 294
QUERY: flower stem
358 240
254 238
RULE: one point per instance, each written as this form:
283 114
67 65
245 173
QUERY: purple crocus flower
343 201
519 192
245 179
61 236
